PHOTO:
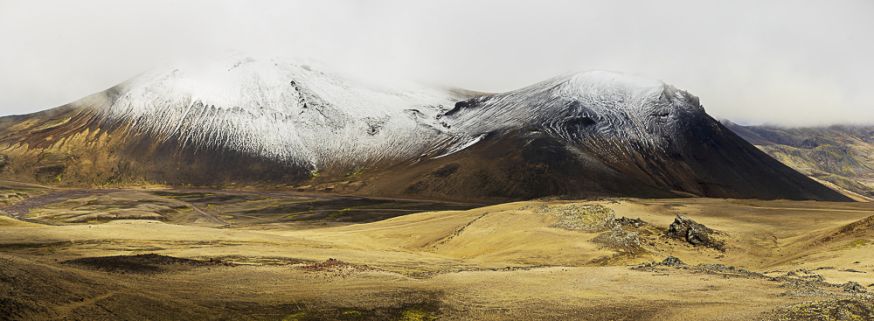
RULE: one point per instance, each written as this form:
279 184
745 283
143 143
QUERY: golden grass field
245 255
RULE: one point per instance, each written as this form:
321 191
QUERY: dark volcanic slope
273 123
685 152
839 155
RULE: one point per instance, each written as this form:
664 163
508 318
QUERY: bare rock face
694 233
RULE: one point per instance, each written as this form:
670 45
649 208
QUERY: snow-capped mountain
275 121
281 110
586 108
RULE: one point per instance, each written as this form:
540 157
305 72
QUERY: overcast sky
778 62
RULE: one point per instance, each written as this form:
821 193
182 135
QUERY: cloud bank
776 62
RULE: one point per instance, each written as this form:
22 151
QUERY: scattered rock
586 218
621 240
713 269
327 264
854 287
336 266
805 274
672 261
801 288
842 309
694 233
635 222
729 271
598 218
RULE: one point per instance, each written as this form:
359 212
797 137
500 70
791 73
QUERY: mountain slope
838 155
601 133
272 122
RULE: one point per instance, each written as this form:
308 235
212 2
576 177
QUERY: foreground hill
842 156
159 255
271 122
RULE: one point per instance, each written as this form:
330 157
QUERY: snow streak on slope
604 105
281 110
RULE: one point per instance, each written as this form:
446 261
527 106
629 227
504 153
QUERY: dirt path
811 209
209 216
20 209
69 309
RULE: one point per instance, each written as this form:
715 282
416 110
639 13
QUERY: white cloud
783 62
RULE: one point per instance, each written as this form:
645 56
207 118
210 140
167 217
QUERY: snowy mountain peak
598 80
622 90
589 104
275 84
279 109
247 120
292 112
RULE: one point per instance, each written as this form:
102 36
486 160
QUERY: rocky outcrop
672 261
854 287
694 233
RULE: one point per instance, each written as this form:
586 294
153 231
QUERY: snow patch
458 148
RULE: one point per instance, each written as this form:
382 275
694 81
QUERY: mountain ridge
258 122
838 155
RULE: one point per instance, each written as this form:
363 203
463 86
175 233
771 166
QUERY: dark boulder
694 233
